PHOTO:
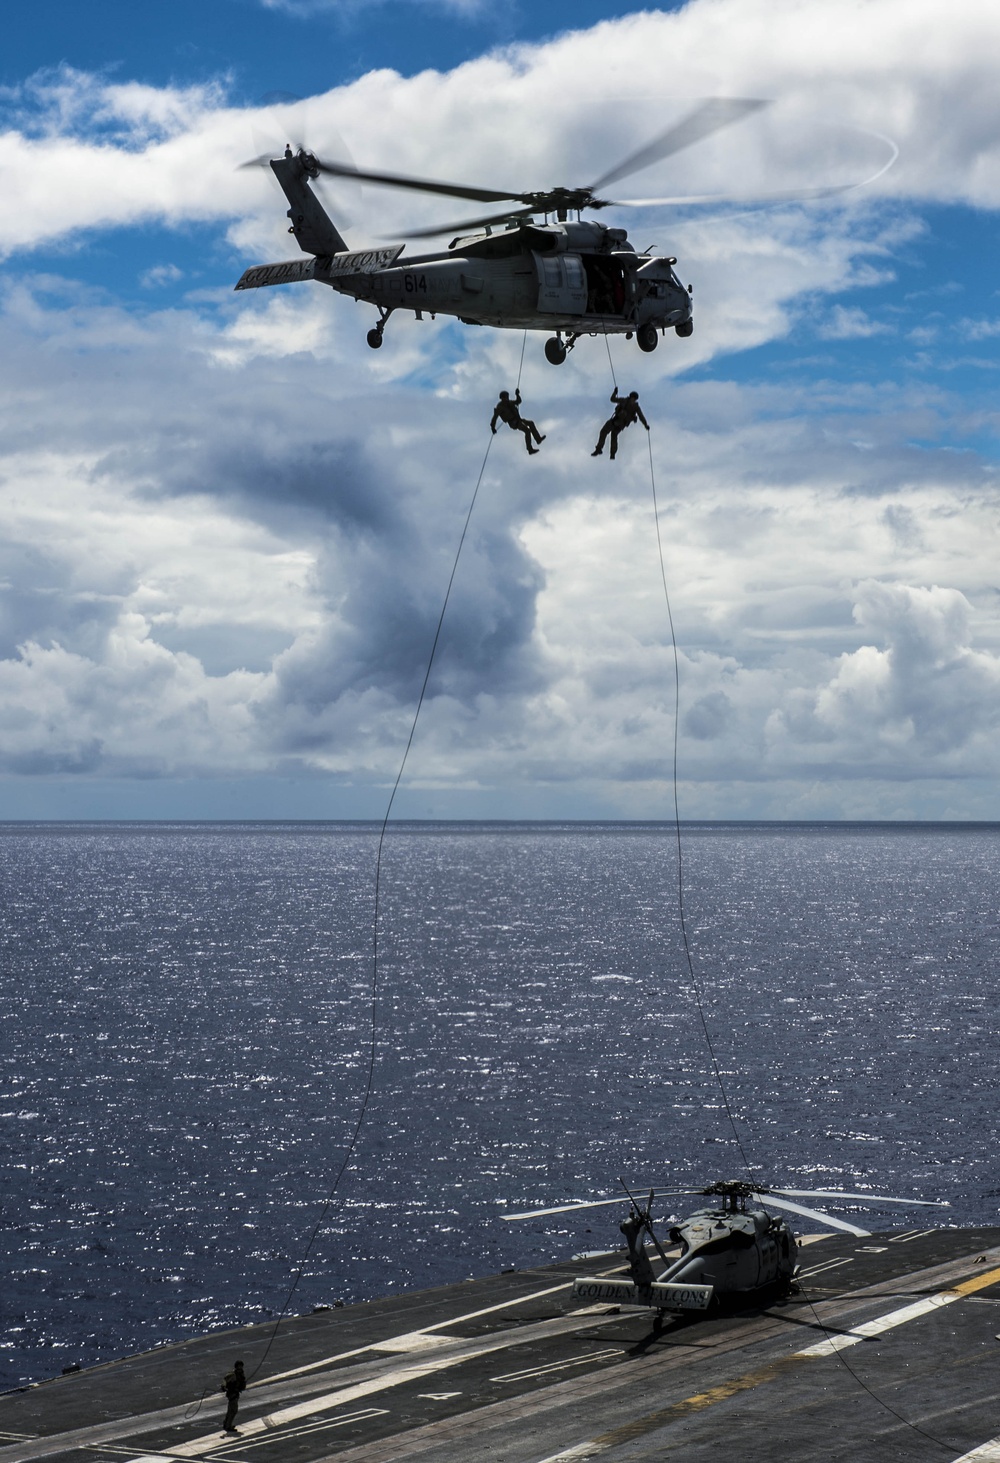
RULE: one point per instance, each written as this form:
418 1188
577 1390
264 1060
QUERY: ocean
186 1034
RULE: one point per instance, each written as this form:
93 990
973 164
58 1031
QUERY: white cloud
225 528
159 275
850 323
465 9
93 154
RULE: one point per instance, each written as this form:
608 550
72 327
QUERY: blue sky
226 525
301 49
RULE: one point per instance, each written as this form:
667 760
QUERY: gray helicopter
566 274
727 1251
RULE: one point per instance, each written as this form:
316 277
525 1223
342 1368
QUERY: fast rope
373 989
692 975
695 986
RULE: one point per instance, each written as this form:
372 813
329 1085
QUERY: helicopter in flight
727 1250
565 274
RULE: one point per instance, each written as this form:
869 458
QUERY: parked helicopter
726 1251
569 275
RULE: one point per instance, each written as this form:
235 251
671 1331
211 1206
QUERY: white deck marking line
465 1350
559 1366
881 1324
503 1305
593 1446
919 1235
985 1453
518 1300
899 1317
827 1265
411 1341
899 1239
324 1425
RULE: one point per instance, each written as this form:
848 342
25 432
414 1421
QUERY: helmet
504 395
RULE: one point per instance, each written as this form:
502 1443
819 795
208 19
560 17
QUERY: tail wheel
647 337
686 327
555 351
374 338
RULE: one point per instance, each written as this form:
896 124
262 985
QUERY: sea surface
187 1022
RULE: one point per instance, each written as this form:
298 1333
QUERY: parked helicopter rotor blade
865 1198
567 1208
465 224
817 1214
710 116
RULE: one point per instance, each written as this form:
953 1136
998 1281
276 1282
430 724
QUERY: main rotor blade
713 114
419 185
464 225
866 1198
784 195
693 200
816 1214
568 1208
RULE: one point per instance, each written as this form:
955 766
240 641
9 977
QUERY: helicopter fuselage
572 278
724 1252
734 1252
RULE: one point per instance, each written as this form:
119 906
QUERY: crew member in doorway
626 411
233 1384
507 411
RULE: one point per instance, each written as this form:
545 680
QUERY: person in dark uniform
627 410
507 411
233 1384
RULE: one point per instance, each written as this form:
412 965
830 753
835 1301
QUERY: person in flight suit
507 411
233 1384
626 411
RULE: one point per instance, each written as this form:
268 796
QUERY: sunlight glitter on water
195 1004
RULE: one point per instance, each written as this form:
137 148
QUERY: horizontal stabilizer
682 1297
289 273
595 1289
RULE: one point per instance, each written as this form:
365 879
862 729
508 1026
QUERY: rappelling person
507 411
233 1384
626 411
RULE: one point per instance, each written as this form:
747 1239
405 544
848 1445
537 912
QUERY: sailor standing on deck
233 1384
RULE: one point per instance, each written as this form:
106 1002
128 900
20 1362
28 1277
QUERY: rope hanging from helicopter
693 980
692 974
374 983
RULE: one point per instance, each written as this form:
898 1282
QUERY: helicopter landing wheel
374 337
646 337
686 327
555 351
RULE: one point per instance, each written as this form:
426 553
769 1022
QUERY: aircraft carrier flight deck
890 1350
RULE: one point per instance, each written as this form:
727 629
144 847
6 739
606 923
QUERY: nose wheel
647 338
555 351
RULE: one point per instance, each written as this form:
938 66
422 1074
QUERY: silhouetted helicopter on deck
565 274
726 1251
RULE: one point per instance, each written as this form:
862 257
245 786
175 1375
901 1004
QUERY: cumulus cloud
851 323
226 526
79 152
